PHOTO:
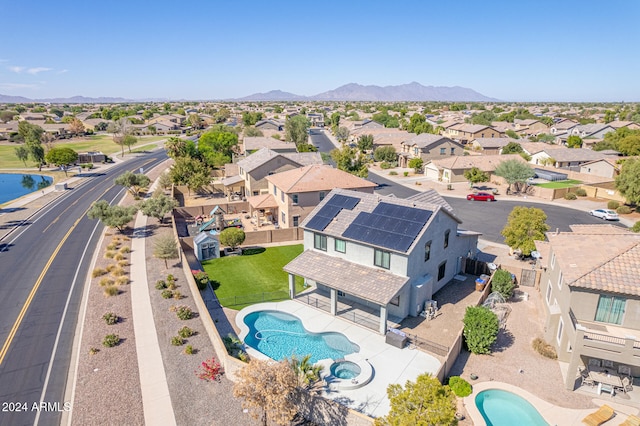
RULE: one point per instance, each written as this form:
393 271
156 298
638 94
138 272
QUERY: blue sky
563 50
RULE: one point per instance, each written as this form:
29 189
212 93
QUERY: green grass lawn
559 184
243 279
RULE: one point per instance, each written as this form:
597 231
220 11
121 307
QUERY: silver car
605 214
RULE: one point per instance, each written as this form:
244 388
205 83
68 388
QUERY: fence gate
476 267
528 277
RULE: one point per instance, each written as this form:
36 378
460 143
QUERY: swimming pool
503 408
280 335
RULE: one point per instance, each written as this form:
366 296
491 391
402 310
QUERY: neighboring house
254 168
270 125
490 146
363 125
91 157
91 123
465 133
606 167
592 131
591 297
297 192
428 147
565 158
530 127
451 170
563 126
387 253
628 124
8 128
315 120
251 144
176 119
33 116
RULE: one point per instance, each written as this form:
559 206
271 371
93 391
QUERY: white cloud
36 70
62 71
17 86
16 69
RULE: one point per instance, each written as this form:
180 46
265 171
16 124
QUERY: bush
160 284
177 295
612 204
188 350
544 349
123 263
581 192
202 279
167 294
393 173
125 249
118 256
184 312
109 254
405 174
122 280
210 370
111 267
460 386
111 290
112 246
110 340
117 272
93 351
480 329
502 283
98 272
385 165
185 332
177 341
104 282
623 210
171 278
110 318
570 196
636 227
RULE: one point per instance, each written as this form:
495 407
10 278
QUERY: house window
415 151
553 260
322 195
443 151
446 238
296 220
482 135
381 258
320 242
284 218
275 191
395 301
442 269
294 199
549 292
560 328
560 281
282 196
427 251
256 193
610 309
340 245
453 151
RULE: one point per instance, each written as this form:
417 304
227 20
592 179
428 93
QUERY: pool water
280 335
345 370
14 186
503 408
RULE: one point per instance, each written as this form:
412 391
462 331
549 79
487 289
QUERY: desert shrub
210 370
623 210
502 283
581 192
177 295
112 246
188 350
393 173
570 196
118 256
385 165
460 386
109 254
170 277
123 280
480 329
612 204
125 249
98 272
110 340
111 290
184 312
117 271
202 279
185 332
171 285
110 267
636 227
167 294
405 174
110 318
123 263
243 356
93 351
177 341
105 282
160 284
544 349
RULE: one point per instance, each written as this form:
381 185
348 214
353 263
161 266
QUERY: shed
206 246
549 175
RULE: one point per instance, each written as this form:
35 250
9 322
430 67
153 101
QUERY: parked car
481 196
605 214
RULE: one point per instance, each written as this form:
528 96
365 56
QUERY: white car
605 214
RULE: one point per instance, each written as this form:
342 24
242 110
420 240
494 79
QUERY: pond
13 185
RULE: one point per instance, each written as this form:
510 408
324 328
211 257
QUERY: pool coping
552 414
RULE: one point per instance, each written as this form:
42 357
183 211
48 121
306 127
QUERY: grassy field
102 143
559 184
247 277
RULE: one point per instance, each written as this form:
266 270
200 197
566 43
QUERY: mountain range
349 92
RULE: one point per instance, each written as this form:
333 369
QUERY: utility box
61 186
396 339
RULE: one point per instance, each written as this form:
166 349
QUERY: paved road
490 218
43 265
321 141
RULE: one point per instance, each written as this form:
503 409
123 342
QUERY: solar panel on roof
330 210
343 201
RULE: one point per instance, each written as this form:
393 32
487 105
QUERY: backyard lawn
248 279
559 184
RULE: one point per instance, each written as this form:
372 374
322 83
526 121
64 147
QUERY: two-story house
427 147
465 133
251 144
387 253
297 192
529 127
591 297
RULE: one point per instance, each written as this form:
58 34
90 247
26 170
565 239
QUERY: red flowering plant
210 370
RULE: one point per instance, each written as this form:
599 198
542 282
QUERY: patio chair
626 385
586 380
596 418
631 421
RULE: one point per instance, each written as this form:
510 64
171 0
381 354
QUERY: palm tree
308 374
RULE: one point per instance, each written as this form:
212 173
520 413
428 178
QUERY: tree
628 182
365 143
251 131
512 134
385 153
158 205
524 226
7 115
296 129
61 157
348 160
185 167
164 181
232 237
119 129
475 175
216 147
418 124
480 329
112 216
22 153
76 127
195 121
342 134
134 182
32 134
268 391
630 145
165 248
176 147
424 402
251 118
416 164
308 374
502 282
514 172
335 119
128 141
574 141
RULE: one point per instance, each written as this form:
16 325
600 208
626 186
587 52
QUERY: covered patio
342 287
263 209
233 187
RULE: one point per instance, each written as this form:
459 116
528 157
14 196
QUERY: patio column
383 319
334 301
292 286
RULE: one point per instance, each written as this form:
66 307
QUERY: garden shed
206 246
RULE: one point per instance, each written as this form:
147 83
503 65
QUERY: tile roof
263 201
317 177
263 155
252 143
486 163
425 140
349 277
574 154
493 142
431 196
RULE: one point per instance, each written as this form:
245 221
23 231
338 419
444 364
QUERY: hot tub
351 372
